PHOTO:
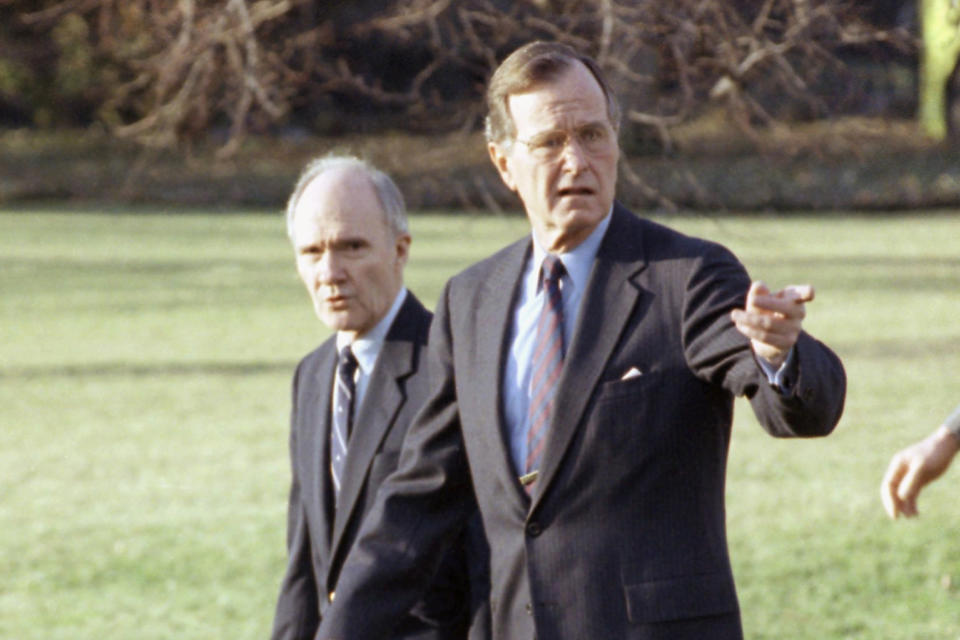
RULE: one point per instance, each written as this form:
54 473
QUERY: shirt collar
579 260
366 348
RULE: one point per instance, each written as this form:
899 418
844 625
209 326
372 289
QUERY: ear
402 244
501 160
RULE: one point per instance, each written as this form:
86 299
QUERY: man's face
563 163
348 257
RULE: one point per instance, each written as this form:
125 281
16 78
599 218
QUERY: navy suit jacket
319 535
624 536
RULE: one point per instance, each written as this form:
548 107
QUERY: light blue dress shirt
523 332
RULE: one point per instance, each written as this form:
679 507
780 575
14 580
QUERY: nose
573 156
329 269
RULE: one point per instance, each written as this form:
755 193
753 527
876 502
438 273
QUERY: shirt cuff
953 422
782 378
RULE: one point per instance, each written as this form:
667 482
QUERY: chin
578 205
583 215
335 320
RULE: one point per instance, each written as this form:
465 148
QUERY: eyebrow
338 243
341 243
592 123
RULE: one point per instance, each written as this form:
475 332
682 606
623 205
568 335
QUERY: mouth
336 301
575 191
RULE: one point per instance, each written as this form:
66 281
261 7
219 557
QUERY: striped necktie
342 415
547 361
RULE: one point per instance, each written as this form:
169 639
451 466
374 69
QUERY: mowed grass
145 360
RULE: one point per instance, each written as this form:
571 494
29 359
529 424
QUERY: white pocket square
633 372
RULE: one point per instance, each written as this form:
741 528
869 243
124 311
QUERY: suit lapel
608 301
381 404
494 321
320 404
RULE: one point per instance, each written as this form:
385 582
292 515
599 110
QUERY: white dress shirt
366 349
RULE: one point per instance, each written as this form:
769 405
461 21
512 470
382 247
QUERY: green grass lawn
145 362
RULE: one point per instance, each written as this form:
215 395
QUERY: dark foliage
168 72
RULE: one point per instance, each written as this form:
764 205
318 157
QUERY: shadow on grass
136 370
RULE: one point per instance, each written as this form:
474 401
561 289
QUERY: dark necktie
342 415
547 361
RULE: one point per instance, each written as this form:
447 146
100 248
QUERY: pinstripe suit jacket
624 536
319 535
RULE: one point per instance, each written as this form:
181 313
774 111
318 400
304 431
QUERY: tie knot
552 268
348 362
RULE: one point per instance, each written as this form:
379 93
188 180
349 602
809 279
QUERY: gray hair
391 200
531 65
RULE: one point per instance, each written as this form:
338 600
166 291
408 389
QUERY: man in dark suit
582 388
355 395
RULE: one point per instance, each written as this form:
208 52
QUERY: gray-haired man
355 395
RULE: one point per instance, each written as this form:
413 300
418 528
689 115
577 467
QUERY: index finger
799 293
779 303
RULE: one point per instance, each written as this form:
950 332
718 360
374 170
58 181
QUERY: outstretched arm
751 341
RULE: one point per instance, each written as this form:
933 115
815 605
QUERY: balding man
355 395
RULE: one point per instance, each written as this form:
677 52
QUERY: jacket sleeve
296 616
720 354
420 509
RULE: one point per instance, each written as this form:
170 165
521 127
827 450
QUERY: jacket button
534 529
331 596
529 608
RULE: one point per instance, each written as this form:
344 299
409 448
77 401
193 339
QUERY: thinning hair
531 65
391 200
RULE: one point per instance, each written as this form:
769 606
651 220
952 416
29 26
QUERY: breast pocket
629 388
624 412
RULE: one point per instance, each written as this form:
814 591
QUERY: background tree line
169 72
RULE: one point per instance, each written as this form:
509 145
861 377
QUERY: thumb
757 288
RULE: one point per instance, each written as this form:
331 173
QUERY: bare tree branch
182 66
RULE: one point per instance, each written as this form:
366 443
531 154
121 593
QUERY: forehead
339 201
572 98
